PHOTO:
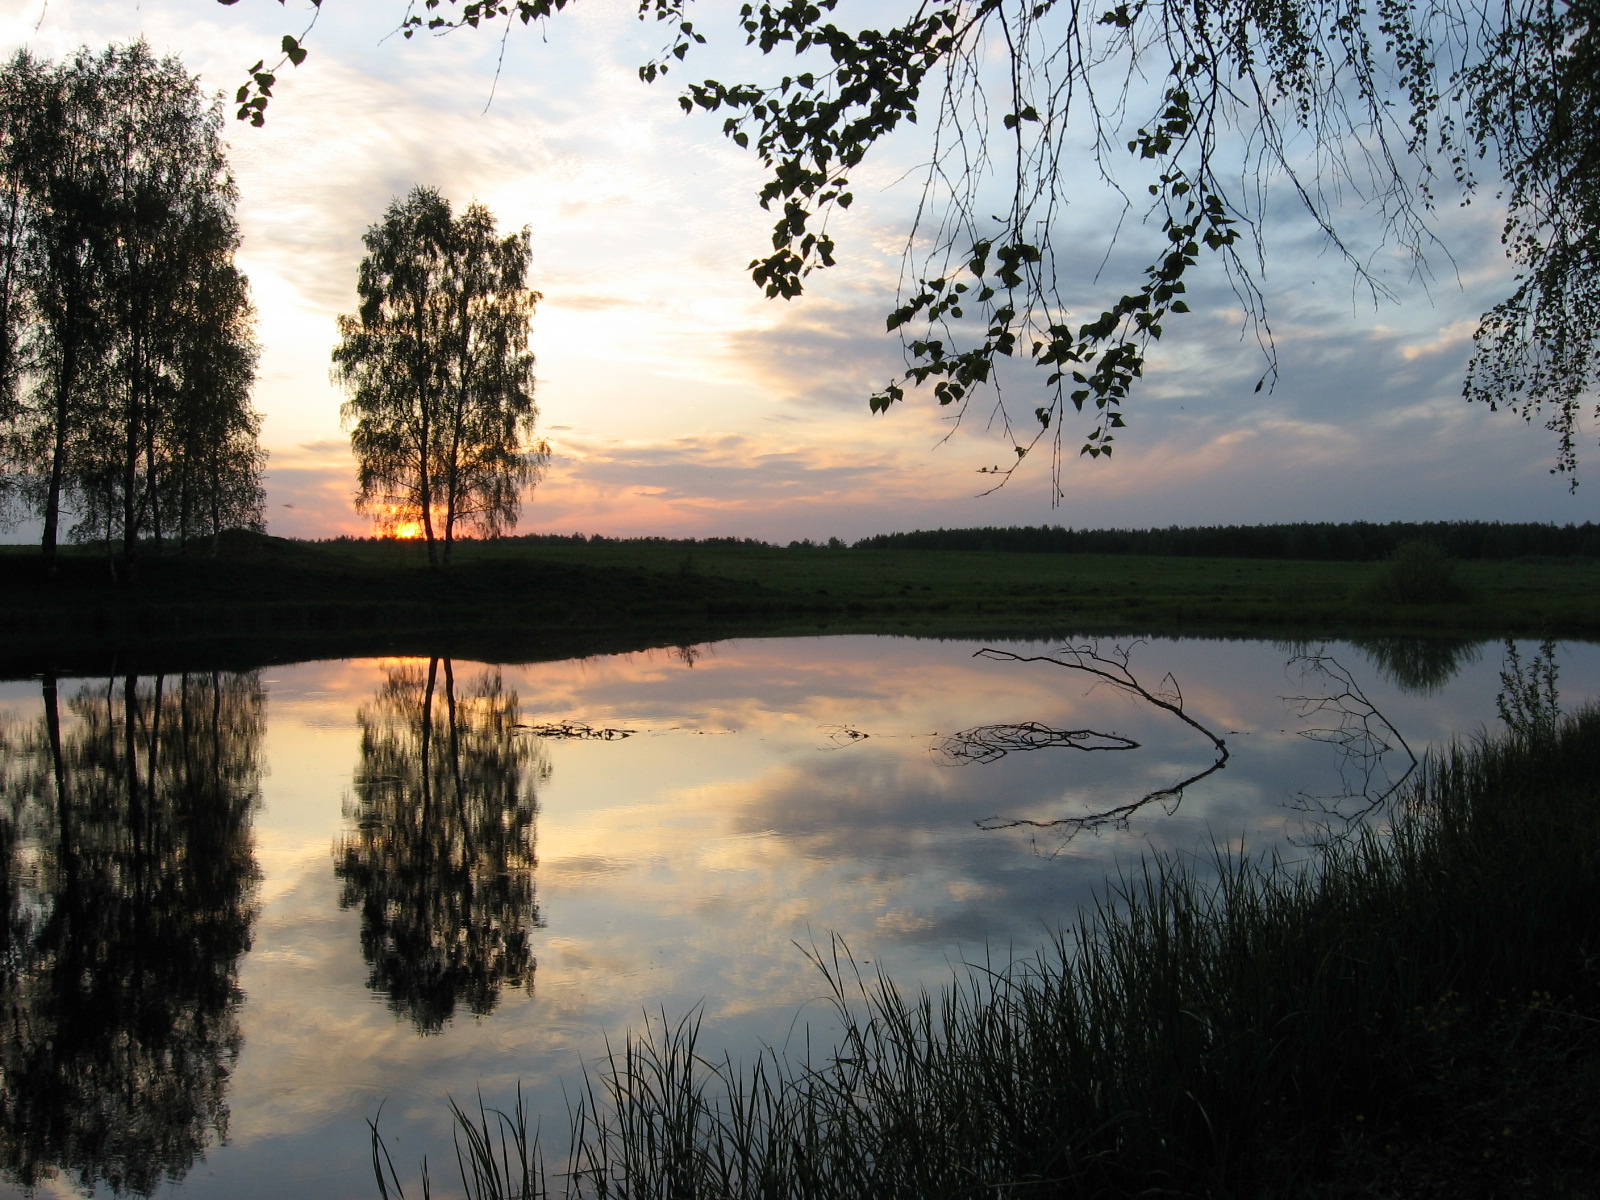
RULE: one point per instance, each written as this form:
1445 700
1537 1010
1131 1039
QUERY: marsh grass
1242 1027
497 1156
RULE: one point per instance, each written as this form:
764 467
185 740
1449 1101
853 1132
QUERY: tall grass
1252 1031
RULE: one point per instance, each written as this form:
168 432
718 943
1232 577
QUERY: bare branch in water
1114 670
986 743
1362 734
840 736
577 731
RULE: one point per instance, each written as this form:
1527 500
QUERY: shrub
1416 573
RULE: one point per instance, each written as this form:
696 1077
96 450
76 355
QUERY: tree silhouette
441 854
121 307
440 378
125 833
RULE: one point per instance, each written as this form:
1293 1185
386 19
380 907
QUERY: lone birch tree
439 374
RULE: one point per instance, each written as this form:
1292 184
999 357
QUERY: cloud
821 354
727 468
684 402
326 449
312 502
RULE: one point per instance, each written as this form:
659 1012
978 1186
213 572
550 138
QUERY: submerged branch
1115 671
1360 732
987 743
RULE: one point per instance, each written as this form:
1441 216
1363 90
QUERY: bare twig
1362 734
1114 670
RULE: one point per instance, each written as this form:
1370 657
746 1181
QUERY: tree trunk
133 415
420 373
58 446
7 287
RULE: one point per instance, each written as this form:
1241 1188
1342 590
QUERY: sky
678 401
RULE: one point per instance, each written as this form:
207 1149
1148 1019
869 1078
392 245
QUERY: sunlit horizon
678 402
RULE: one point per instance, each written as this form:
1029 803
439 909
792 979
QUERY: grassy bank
1416 1015
378 596
926 586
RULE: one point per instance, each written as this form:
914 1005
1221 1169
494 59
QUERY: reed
1246 1027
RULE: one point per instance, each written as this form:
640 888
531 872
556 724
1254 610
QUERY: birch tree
439 373
133 329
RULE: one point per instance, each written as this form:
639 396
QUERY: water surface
244 911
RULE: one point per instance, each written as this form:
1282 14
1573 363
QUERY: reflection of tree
129 872
1415 664
441 857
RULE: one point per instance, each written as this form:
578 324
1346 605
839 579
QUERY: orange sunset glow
723 413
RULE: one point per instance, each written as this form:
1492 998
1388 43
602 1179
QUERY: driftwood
1112 669
985 743
577 731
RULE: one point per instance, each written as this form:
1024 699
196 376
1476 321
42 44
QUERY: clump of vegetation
127 333
1528 701
1418 572
1412 1014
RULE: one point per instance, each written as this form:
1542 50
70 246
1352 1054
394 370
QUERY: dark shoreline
271 600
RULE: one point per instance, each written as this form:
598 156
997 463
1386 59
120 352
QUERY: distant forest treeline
1349 542
1354 541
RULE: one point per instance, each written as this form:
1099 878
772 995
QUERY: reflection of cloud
678 871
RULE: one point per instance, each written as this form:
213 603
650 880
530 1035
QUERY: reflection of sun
408 529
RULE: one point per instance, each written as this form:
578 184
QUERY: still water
245 912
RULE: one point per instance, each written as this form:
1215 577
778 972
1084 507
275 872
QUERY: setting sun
408 529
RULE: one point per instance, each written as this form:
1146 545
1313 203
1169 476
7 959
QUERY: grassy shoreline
274 598
1417 1016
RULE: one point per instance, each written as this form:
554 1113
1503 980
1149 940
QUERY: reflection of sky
681 865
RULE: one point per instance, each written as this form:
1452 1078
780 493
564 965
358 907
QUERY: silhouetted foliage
441 855
1203 116
125 327
1528 701
439 373
129 871
1355 541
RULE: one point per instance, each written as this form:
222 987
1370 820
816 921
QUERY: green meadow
274 596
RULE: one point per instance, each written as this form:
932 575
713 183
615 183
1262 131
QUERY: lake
247 912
